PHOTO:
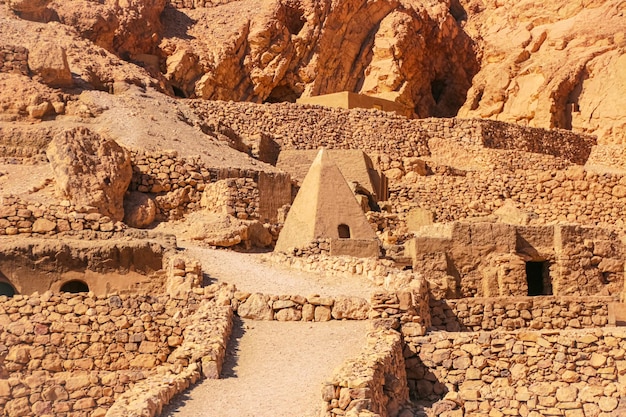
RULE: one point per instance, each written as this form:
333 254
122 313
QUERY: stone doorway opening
7 289
538 278
75 286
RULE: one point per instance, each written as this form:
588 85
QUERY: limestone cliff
550 64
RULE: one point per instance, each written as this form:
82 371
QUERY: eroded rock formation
90 170
557 64
279 50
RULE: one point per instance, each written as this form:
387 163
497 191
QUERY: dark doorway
7 289
74 287
536 273
344 231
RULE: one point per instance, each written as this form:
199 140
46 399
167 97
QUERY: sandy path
273 369
250 274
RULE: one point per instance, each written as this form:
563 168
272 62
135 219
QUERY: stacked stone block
515 313
480 374
14 59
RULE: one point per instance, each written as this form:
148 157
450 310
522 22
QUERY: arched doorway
344 231
7 289
75 286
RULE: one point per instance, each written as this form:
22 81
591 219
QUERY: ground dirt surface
273 369
249 273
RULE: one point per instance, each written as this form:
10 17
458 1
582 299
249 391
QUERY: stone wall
372 384
14 59
528 373
381 272
20 217
407 307
513 313
196 4
574 195
386 138
67 354
237 197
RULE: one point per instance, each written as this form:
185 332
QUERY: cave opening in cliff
457 11
282 94
178 92
436 89
294 18
75 286
7 289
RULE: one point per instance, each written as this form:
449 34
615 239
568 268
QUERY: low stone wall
14 59
407 307
80 354
381 272
513 313
19 217
196 4
528 373
201 354
372 384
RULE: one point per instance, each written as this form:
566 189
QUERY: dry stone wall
68 353
238 197
196 4
574 195
528 373
372 384
514 313
387 138
14 59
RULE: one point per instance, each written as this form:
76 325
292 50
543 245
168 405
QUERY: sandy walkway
273 369
250 274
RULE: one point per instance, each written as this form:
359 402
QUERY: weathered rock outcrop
556 64
279 50
129 27
90 170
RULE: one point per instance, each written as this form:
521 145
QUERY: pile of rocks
195 4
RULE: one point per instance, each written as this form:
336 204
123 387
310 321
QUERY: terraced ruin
199 217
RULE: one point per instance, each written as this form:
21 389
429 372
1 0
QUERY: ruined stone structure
326 208
348 100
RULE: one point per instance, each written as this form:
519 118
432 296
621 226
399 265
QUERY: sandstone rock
139 210
49 61
354 308
416 54
256 307
90 170
43 226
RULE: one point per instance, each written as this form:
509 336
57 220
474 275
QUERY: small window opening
536 278
344 231
74 287
7 289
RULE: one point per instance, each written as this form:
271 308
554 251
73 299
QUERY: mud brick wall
14 59
528 373
537 313
373 383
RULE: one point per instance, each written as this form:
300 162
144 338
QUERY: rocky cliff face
408 51
550 64
553 65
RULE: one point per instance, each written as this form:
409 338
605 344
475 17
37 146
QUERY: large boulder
90 170
139 210
49 61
